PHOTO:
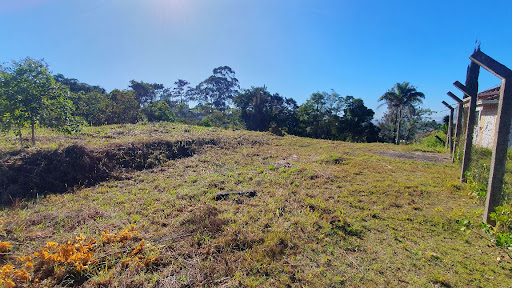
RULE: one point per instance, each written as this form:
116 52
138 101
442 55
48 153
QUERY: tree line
30 96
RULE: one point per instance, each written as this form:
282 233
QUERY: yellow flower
80 267
149 260
6 268
22 275
138 248
8 283
126 262
4 247
52 245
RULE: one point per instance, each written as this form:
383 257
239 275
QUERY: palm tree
399 99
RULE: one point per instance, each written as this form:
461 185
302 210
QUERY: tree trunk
399 116
21 137
33 134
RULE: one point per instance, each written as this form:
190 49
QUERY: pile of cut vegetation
32 174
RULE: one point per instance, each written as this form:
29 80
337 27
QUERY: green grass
429 143
326 214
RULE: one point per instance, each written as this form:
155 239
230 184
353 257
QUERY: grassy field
324 213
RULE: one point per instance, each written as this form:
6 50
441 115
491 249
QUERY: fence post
471 90
449 135
458 123
502 128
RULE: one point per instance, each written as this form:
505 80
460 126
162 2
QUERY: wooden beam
440 140
499 152
471 90
458 123
462 88
499 70
502 131
454 97
449 135
447 105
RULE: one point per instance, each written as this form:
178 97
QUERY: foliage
61 116
356 124
76 260
446 121
218 90
401 101
319 114
30 97
500 232
76 86
261 110
92 106
429 142
146 93
229 118
123 107
158 111
477 179
324 115
331 116
182 92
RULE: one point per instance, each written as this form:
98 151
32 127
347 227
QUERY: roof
490 94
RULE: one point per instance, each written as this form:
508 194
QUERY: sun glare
176 6
170 10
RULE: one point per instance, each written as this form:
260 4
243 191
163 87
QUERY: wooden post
502 129
471 90
449 135
458 123
440 140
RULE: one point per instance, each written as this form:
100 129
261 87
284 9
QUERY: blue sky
294 47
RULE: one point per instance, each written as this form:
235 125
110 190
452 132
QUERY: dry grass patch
326 214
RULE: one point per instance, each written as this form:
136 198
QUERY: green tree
92 106
76 86
419 124
330 116
320 114
229 118
124 107
180 97
182 92
218 90
61 115
30 96
146 92
158 111
401 101
260 110
356 123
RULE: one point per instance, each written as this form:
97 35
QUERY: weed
327 214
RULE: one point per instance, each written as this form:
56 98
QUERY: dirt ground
417 155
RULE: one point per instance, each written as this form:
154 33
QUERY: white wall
484 131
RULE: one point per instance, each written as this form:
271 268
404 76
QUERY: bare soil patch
416 155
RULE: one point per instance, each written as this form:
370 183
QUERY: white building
486 111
